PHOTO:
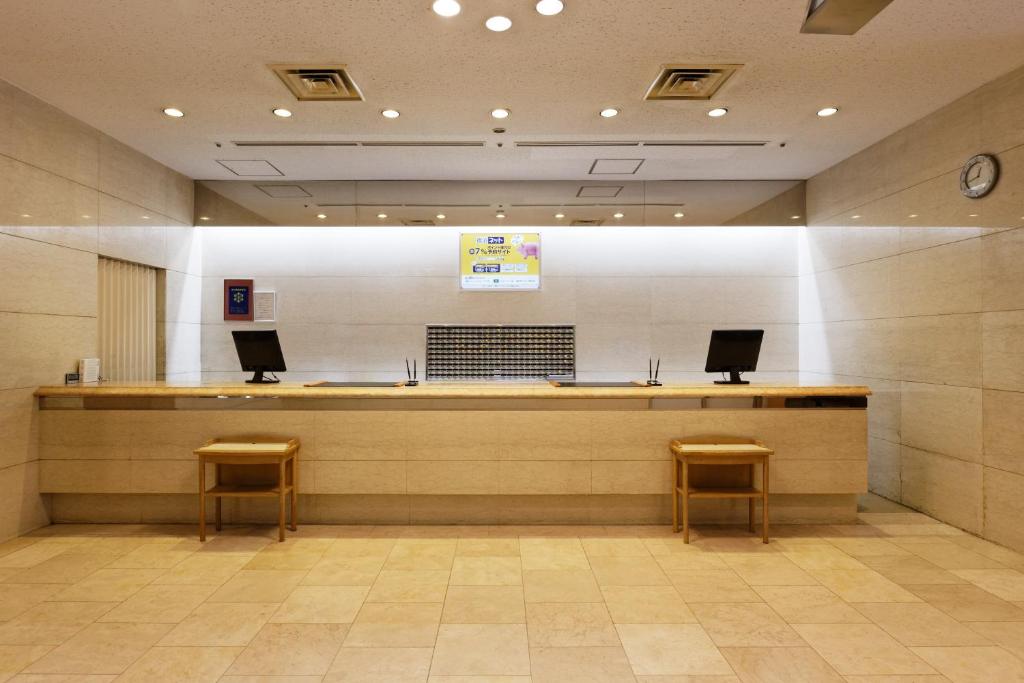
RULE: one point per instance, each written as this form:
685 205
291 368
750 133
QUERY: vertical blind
127 321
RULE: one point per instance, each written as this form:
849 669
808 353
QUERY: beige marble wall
353 302
918 292
787 208
68 193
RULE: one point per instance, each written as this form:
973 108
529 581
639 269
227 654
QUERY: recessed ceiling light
678 214
618 214
446 8
559 215
972 215
500 113
913 215
321 216
717 112
499 215
390 113
382 215
794 217
174 113
498 23
145 218
204 218
440 216
550 8
85 215
828 111
609 112
283 113
26 215
856 215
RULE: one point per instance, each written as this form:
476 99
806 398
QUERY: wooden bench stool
718 450
249 467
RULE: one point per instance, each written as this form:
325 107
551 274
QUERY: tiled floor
898 598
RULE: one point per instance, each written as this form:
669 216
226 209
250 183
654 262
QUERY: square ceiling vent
615 166
283 191
690 82
250 167
599 191
323 83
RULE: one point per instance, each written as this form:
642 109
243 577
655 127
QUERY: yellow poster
500 260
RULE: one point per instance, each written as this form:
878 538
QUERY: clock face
979 176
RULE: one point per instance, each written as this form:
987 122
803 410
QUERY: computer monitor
259 351
735 352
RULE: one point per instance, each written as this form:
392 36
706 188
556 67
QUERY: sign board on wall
238 300
500 260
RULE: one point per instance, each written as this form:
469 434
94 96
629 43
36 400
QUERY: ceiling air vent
318 83
416 222
595 222
690 82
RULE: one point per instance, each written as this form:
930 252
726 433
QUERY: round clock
979 176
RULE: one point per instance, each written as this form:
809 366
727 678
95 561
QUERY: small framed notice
498 261
238 304
264 306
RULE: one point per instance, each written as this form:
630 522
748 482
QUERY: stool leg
675 495
764 502
750 503
686 502
202 499
217 512
280 500
295 492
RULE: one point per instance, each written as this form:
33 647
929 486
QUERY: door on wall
127 321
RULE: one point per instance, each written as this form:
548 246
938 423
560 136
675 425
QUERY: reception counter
528 453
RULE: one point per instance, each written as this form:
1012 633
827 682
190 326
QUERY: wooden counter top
443 390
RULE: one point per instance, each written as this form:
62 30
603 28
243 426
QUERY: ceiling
118 63
478 203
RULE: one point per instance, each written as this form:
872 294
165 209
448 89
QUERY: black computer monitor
259 351
735 352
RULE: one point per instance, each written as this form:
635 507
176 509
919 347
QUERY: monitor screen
734 350
259 350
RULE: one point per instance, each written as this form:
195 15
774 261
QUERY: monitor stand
258 378
734 378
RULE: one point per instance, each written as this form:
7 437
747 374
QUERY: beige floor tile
920 624
991 550
1008 634
780 665
967 602
911 570
712 585
181 665
406 585
14 658
671 650
646 605
692 560
628 571
15 598
293 560
861 649
1007 584
863 585
487 547
745 625
258 585
321 605
354 571
271 679
479 679
101 649
221 624
351 548
69 567
948 555
555 585
569 625
484 605
52 623
156 556
435 554
481 650
291 650
565 554
868 547
768 569
615 547
920 678
395 625
809 605
687 679
204 569
33 554
108 585
580 665
380 665
159 604
818 558
973 664
487 571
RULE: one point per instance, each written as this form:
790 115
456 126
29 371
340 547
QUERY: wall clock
979 176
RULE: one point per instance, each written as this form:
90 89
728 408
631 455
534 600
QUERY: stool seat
235 461
718 450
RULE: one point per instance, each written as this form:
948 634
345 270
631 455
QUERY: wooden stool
718 450
237 461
